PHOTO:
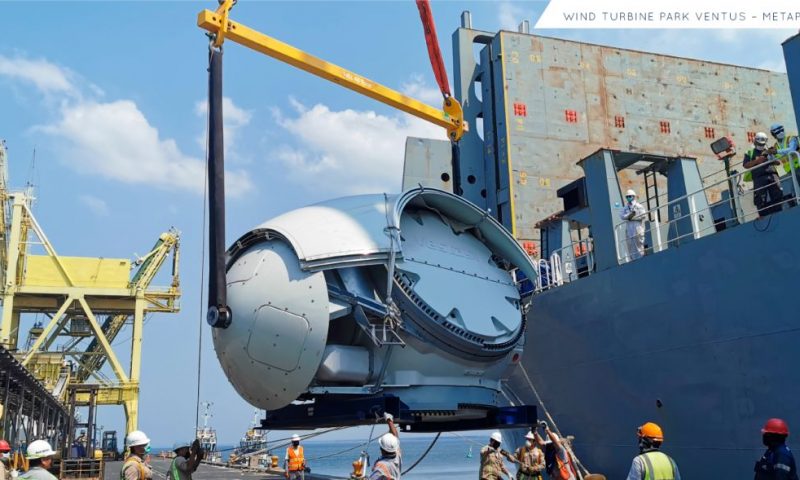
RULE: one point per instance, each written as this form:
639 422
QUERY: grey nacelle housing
406 294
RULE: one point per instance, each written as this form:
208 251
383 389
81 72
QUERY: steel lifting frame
221 27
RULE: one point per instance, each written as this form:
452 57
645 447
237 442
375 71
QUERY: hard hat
389 443
136 438
497 437
295 438
178 445
4 446
630 193
652 431
776 425
39 449
530 436
761 139
776 129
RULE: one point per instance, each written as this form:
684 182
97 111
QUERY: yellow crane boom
451 116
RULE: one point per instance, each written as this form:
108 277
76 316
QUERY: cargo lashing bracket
381 326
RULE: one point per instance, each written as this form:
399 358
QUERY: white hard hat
295 438
761 139
179 445
136 438
39 449
776 129
389 443
530 436
630 193
497 437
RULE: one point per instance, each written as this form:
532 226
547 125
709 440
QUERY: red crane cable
432 41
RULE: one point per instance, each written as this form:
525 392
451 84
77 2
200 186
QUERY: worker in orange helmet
5 449
651 464
777 463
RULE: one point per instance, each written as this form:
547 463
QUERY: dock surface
205 472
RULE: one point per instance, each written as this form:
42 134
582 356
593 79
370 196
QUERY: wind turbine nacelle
412 295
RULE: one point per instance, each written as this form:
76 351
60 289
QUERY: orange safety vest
296 458
564 470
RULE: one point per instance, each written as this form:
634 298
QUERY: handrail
793 173
694 213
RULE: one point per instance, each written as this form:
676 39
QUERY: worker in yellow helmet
651 464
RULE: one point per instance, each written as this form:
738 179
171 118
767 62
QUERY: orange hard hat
652 431
776 425
4 446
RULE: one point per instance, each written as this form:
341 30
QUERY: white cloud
96 205
233 119
45 76
510 15
419 89
114 139
348 151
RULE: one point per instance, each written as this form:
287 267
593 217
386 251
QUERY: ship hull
703 338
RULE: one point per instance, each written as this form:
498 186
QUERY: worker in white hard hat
40 460
389 466
188 456
137 465
634 215
492 466
295 460
530 459
784 145
767 192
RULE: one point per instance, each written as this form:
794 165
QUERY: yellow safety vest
785 158
658 466
748 176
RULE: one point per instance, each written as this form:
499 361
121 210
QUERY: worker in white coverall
634 215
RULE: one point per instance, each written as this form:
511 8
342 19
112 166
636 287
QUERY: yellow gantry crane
80 305
221 27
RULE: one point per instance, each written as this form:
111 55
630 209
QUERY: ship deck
207 472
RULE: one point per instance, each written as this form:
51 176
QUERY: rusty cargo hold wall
536 105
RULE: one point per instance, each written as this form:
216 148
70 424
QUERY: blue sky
111 97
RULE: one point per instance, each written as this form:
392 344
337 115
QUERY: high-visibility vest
785 158
564 470
658 466
133 462
296 459
751 154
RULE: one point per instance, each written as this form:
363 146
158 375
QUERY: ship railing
658 231
561 267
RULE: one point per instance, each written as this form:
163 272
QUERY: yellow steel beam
49 247
451 118
113 395
46 330
101 337
10 277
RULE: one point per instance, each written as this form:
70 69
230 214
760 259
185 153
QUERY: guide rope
424 454
583 471
202 265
